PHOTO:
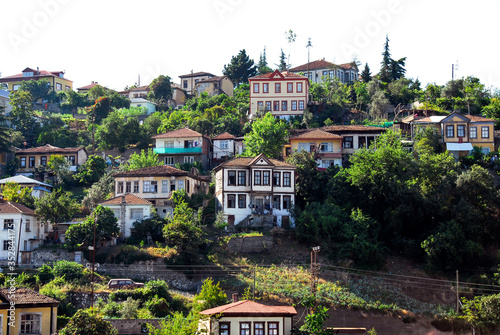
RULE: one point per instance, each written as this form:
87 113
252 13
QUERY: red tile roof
247 161
224 136
196 74
317 134
347 66
317 64
285 74
15 208
49 149
130 199
40 73
210 80
26 296
475 118
352 128
183 132
248 307
88 87
160 170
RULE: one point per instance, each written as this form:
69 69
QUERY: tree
282 64
88 322
56 207
145 159
22 114
268 136
262 66
15 193
91 171
211 295
290 37
492 111
240 69
5 135
366 75
106 227
113 133
391 69
39 89
378 105
60 167
99 191
160 91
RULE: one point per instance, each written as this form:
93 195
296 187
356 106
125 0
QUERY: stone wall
82 300
250 244
133 326
48 256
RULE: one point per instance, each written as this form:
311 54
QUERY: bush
45 274
129 308
71 271
159 307
152 226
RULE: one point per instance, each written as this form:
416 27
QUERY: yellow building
31 158
55 78
24 311
326 146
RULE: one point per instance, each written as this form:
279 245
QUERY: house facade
223 147
319 70
215 86
284 94
149 106
156 184
326 146
5 102
247 317
86 89
34 313
127 209
183 146
189 81
56 79
39 189
255 190
31 158
20 232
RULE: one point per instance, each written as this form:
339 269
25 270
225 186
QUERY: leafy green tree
5 134
106 227
492 111
379 102
74 100
262 66
113 132
160 91
91 171
290 37
39 89
211 295
88 322
177 324
152 226
268 136
60 167
55 132
56 207
314 321
71 271
145 159
366 75
22 114
99 191
391 69
15 193
240 68
97 92
482 312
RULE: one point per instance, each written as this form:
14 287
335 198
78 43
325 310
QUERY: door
259 205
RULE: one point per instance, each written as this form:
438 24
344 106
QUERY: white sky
113 42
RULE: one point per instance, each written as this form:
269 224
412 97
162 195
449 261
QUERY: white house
253 190
20 233
128 208
149 106
223 146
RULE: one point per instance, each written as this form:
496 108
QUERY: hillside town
321 198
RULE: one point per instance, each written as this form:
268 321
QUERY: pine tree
262 67
366 75
240 68
384 74
282 65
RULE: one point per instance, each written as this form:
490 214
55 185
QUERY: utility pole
93 264
308 46
458 298
314 271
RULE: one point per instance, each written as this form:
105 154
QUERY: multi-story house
178 95
189 81
5 106
156 184
85 89
460 133
326 146
127 209
284 94
39 189
31 158
319 69
214 86
20 232
148 106
223 147
56 79
33 313
255 190
183 146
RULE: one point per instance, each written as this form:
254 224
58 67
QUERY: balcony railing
177 150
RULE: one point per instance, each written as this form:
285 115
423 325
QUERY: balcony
177 150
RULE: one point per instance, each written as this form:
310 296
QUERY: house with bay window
156 184
183 146
284 94
31 158
321 70
255 190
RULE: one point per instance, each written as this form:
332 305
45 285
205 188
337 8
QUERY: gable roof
36 74
211 79
25 296
9 207
49 149
88 87
316 134
160 170
224 136
183 132
20 179
315 65
196 74
248 307
476 118
351 128
130 199
277 73
248 161
430 119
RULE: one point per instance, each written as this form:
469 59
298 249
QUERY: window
331 73
277 88
258 328
27 74
255 88
242 201
244 328
6 244
327 147
23 162
294 105
169 160
260 105
32 162
136 213
58 87
28 225
276 178
30 324
231 201
116 213
289 87
272 328
299 87
150 186
231 177
268 106
473 132
287 179
461 130
164 186
256 178
185 84
485 132
287 201
242 178
119 187
450 131
128 187
301 105
72 160
224 328
347 142
265 88
43 161
136 186
168 144
8 224
180 184
284 105
276 202
265 178
224 144
188 159
15 87
325 73
276 106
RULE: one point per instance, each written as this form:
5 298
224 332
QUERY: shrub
72 271
129 308
159 307
45 274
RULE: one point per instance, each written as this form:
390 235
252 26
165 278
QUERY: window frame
262 330
222 330
24 323
460 130
231 178
450 131
275 330
350 141
277 87
265 88
139 213
170 160
231 201
248 331
289 87
277 202
242 178
165 186
485 130
136 186
473 132
242 200
284 105
256 88
301 105
287 179
269 106
266 175
277 178
119 187
294 105
287 201
31 161
276 106
259 182
22 162
299 88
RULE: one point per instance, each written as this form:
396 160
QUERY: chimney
235 297
37 70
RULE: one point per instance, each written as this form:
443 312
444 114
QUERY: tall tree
262 67
22 115
366 75
145 159
240 68
282 64
268 136
290 37
160 91
39 89
5 136
14 192
391 69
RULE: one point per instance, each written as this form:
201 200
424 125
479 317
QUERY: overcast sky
113 42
